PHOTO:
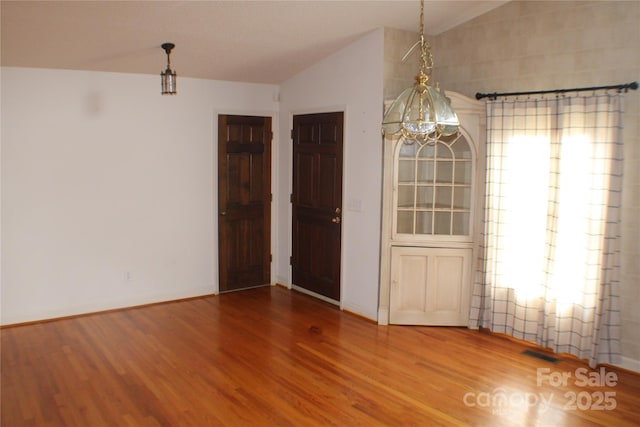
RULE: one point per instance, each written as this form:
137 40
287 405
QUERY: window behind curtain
552 212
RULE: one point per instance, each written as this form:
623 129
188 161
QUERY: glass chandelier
421 113
168 76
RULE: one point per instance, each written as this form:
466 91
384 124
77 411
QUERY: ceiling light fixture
168 77
421 113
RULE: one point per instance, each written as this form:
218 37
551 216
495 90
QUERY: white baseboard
630 364
359 310
281 280
383 316
316 295
125 302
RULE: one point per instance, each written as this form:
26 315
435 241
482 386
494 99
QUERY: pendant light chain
423 56
426 59
422 77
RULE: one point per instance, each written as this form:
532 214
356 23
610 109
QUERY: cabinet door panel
430 286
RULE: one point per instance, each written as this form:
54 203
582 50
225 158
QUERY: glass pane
443 151
425 197
408 150
461 223
405 222
433 181
462 198
443 197
449 139
427 152
406 170
444 172
461 149
442 223
463 173
425 170
405 196
423 222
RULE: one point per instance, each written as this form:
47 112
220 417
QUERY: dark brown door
244 201
317 202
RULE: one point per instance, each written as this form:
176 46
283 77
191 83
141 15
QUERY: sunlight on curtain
551 241
523 213
573 277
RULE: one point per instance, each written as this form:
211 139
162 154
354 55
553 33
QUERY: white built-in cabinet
432 200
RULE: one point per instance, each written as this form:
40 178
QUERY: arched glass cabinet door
434 189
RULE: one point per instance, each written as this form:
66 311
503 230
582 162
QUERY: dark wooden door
317 202
244 201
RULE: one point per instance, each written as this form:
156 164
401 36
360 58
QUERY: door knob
223 213
335 220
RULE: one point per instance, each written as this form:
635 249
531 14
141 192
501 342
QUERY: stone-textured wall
533 45
399 75
539 45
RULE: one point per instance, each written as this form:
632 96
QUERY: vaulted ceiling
249 41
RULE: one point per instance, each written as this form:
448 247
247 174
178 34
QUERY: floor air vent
541 356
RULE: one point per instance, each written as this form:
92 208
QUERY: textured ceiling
249 41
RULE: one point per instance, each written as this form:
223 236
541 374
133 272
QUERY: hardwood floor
272 357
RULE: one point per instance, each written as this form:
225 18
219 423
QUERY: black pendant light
168 76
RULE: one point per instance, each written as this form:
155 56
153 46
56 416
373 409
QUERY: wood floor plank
273 357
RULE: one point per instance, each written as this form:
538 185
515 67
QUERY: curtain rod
624 86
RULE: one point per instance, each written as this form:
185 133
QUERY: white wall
350 81
108 188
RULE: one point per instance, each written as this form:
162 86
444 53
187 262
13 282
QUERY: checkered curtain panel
549 268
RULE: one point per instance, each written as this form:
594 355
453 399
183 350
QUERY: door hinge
270 257
291 198
271 135
271 197
291 260
291 134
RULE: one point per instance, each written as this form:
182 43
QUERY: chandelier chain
422 17
426 59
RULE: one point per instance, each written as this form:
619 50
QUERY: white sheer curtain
550 260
